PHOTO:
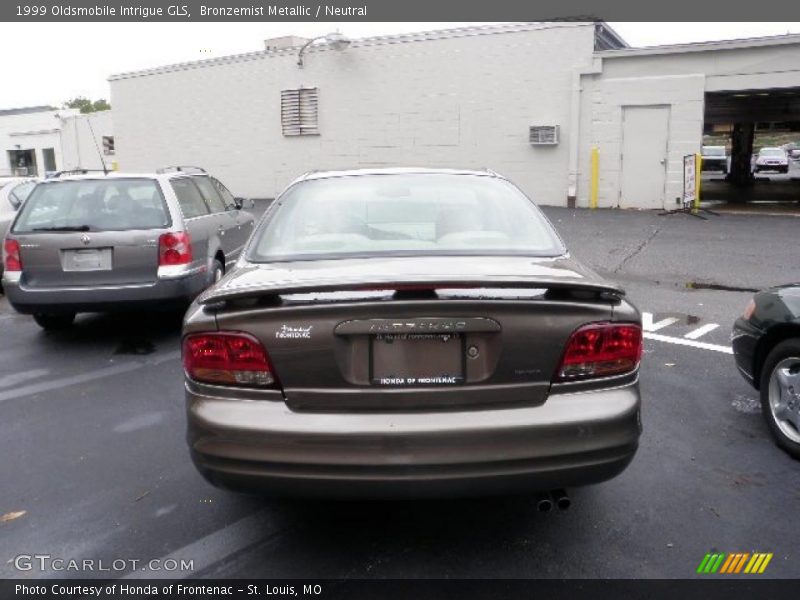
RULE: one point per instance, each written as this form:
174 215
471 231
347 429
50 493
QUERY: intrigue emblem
293 332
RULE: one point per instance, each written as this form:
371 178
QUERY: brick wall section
457 101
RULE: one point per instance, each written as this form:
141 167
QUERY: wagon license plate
417 359
87 259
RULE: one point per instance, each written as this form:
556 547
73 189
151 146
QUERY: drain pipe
575 126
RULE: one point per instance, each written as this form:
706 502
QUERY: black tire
50 322
788 350
216 272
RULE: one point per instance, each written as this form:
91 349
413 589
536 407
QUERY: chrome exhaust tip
544 503
562 500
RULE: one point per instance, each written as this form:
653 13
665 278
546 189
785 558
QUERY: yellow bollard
698 166
595 177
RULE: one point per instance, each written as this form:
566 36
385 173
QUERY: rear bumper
160 293
779 168
714 165
258 445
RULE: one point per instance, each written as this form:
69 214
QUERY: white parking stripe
216 547
648 325
684 342
701 331
46 386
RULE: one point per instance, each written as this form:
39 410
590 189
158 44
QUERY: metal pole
698 166
595 184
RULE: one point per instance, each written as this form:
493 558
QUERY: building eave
405 38
737 44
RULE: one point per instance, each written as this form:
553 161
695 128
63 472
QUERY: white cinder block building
41 139
87 141
527 100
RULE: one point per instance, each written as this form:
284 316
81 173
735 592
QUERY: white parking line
216 546
684 342
46 386
701 331
648 325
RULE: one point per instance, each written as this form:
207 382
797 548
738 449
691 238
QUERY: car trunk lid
58 259
407 334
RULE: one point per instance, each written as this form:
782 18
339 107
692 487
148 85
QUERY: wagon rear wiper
64 228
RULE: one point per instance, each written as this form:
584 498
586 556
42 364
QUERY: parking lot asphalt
92 435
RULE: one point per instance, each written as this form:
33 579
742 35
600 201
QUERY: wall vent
299 110
544 135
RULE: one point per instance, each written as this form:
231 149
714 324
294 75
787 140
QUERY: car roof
100 176
394 171
772 148
14 179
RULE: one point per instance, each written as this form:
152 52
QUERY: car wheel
54 322
780 395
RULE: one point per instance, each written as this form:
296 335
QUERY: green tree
87 106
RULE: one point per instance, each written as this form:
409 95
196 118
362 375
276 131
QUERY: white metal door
645 131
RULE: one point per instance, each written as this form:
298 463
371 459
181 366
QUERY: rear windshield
713 151
94 205
407 214
772 152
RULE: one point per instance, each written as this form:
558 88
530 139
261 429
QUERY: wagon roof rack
181 169
78 171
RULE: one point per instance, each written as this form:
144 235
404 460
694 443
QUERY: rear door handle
221 230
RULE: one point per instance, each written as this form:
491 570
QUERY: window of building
108 145
299 112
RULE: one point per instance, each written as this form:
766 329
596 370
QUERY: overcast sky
47 63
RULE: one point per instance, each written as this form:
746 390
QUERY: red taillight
601 350
227 358
13 262
174 249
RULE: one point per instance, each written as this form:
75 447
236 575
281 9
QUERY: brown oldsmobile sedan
410 332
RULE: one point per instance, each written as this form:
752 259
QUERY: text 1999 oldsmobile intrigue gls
410 332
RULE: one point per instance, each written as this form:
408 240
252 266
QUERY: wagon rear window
94 205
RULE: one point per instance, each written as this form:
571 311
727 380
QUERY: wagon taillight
12 258
174 249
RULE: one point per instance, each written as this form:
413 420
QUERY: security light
335 40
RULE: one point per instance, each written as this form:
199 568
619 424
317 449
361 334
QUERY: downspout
60 157
575 125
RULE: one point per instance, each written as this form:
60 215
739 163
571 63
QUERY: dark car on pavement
410 332
766 344
102 242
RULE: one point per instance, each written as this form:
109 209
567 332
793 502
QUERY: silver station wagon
101 242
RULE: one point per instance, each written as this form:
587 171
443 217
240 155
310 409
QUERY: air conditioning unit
544 135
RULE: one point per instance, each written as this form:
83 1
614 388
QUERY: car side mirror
238 203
